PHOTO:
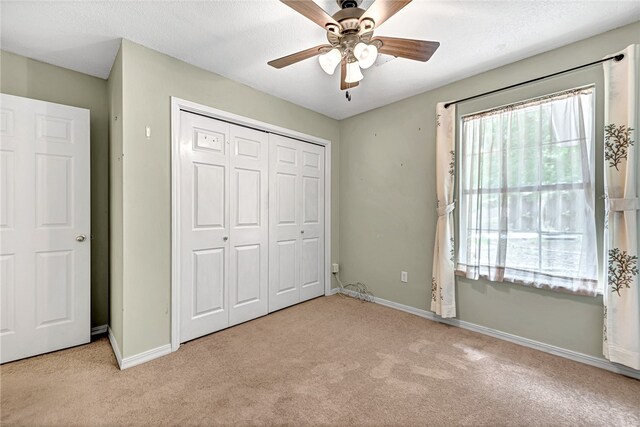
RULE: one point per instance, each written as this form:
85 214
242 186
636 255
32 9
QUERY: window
527 194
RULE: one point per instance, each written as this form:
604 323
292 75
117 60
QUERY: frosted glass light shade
330 60
353 73
365 54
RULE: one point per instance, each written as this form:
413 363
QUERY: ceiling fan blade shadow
312 11
418 50
343 76
381 10
298 56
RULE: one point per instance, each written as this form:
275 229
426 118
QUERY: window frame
597 181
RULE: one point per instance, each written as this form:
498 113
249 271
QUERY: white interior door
45 287
249 237
204 229
251 223
224 225
284 220
312 221
296 212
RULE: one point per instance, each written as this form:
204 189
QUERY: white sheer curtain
622 189
527 194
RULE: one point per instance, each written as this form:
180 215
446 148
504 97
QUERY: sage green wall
149 80
114 88
26 77
387 200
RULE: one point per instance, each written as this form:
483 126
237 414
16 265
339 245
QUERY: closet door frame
178 105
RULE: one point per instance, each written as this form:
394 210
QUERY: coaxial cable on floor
355 290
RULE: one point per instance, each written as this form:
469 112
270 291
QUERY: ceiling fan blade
418 50
343 75
298 56
312 11
381 10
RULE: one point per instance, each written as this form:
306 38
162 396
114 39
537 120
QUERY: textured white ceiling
236 39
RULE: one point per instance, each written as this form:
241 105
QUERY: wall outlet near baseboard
404 277
335 268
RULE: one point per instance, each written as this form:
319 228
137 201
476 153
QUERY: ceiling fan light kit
351 41
366 54
354 74
329 61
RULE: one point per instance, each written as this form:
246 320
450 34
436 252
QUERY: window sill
543 286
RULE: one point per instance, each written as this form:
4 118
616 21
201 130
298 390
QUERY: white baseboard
114 347
97 330
145 356
547 348
137 359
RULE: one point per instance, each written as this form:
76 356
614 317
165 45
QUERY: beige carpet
328 361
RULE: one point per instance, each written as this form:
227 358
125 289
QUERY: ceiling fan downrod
345 4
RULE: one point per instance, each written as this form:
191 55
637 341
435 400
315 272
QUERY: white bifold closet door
224 225
45 226
296 221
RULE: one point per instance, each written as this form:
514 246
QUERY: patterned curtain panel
443 298
622 292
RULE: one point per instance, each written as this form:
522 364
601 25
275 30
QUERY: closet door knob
225 238
301 231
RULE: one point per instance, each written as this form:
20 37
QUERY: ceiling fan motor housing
350 24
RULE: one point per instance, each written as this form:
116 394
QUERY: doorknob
81 238
225 238
301 231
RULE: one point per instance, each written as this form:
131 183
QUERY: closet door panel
252 223
208 196
204 206
249 198
310 267
208 281
286 209
297 221
284 217
312 221
287 256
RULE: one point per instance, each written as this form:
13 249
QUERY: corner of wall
116 234
141 211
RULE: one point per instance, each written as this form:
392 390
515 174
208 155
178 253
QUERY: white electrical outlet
335 268
404 277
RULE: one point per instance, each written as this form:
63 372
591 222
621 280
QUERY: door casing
178 105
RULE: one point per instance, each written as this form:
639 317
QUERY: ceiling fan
351 41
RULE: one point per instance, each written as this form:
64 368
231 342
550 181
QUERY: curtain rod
616 58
